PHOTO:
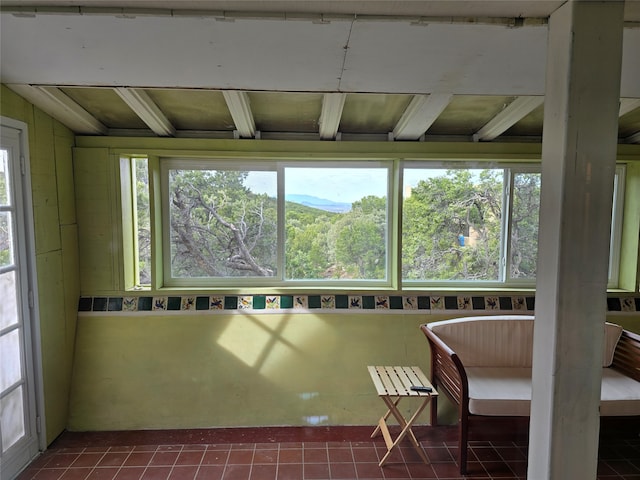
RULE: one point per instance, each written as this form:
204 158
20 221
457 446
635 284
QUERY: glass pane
451 226
143 220
12 418
336 223
6 240
11 371
223 223
524 225
4 177
9 303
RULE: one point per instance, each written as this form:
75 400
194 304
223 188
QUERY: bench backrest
502 340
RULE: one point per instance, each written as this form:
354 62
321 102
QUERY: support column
578 164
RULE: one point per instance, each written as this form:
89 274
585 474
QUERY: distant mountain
319 203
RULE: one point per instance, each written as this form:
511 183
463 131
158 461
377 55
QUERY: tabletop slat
396 381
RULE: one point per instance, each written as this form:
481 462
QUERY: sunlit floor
300 453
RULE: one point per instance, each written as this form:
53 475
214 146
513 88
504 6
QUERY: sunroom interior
97 84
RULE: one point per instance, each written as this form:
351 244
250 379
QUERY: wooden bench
483 364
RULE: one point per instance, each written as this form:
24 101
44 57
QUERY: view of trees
438 212
451 229
5 225
219 228
144 222
347 245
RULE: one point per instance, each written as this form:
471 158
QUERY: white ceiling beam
512 114
140 102
56 103
332 105
420 115
628 105
239 106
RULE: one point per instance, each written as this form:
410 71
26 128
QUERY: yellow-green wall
56 242
139 372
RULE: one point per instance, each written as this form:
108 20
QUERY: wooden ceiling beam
63 108
512 114
420 115
240 109
332 106
140 102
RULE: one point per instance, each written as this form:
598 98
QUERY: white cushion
501 391
620 394
507 392
491 341
503 340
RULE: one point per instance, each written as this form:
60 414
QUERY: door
19 437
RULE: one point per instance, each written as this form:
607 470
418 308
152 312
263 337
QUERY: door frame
33 314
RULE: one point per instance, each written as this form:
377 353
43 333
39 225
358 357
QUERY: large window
313 224
271 223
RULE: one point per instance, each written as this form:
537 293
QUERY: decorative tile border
432 303
328 303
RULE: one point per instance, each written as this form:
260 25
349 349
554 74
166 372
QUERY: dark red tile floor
299 453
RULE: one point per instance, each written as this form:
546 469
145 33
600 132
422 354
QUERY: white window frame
278 280
396 169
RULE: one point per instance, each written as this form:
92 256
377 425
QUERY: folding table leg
406 429
386 415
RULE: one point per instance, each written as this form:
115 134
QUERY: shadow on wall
198 371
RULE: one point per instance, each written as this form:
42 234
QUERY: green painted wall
50 148
145 372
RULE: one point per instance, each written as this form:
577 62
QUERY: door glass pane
8 305
12 421
4 177
10 357
6 247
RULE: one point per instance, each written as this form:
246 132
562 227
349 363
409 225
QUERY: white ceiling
451 48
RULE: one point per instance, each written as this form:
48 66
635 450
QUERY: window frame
503 281
394 282
278 280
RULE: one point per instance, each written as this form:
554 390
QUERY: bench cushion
503 340
502 391
505 391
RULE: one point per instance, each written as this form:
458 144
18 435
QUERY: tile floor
300 453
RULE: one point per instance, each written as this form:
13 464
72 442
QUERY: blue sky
345 185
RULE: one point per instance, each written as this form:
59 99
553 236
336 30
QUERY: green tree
143 220
360 240
219 228
524 225
444 208
307 251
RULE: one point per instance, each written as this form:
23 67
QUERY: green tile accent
230 303
395 303
314 301
144 304
259 302
202 303
173 303
368 302
286 301
424 303
342 301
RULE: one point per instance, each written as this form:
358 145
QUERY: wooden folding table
394 384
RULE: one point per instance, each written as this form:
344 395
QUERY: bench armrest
447 369
626 357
